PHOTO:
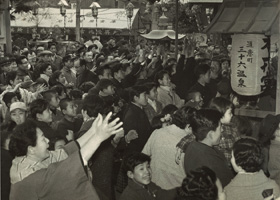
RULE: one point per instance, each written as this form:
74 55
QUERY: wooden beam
278 73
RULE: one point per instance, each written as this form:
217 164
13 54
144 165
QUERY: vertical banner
249 63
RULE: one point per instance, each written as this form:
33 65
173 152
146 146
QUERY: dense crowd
114 120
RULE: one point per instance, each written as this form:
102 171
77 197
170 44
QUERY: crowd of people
115 121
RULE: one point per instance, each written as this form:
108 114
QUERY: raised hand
131 135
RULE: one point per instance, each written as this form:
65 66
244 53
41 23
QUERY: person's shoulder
130 193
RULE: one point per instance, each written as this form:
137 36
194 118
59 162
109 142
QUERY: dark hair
47 95
203 121
243 125
76 94
54 140
38 106
103 84
248 154
23 136
59 89
201 69
64 103
82 61
183 116
100 70
150 86
160 75
93 104
15 48
199 184
43 66
156 122
7 97
190 95
11 76
19 59
67 58
116 67
221 104
53 78
169 109
134 159
136 91
92 46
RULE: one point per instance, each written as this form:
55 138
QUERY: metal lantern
35 8
62 10
129 10
94 9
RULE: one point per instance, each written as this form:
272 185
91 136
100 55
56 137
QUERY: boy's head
52 98
9 98
93 104
163 78
138 95
13 79
68 107
137 168
224 106
40 110
104 72
151 90
202 72
195 97
18 112
106 87
117 72
206 126
247 155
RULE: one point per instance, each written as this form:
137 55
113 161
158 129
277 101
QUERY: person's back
250 182
206 127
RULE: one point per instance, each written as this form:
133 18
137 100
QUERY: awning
51 18
162 34
247 16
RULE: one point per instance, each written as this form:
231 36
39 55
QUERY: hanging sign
249 63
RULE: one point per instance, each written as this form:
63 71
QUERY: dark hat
268 126
45 52
5 61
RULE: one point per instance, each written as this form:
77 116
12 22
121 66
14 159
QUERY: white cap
18 105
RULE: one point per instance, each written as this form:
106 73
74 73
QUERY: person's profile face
142 100
216 135
45 116
42 144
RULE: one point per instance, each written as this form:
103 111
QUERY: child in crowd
229 133
250 181
206 127
140 187
154 107
160 121
41 113
57 143
106 90
69 126
18 112
166 95
8 99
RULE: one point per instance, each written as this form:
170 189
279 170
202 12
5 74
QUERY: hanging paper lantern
249 63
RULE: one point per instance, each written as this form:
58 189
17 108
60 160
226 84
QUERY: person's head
163 78
79 65
13 79
224 106
106 87
39 50
93 48
57 78
88 56
52 47
182 118
22 62
247 156
60 90
243 124
169 109
215 69
201 184
9 98
104 72
202 72
151 90
196 98
76 94
160 121
5 63
16 50
138 95
57 143
92 105
46 56
269 129
68 61
68 107
32 58
40 110
137 168
29 140
117 72
46 68
206 126
52 98
18 112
